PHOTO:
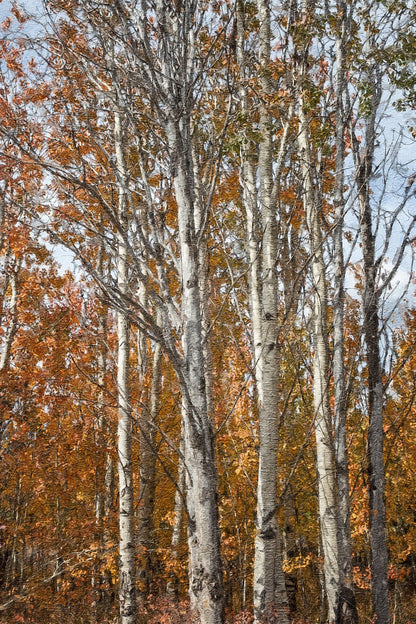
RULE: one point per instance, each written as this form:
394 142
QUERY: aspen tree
312 200
127 573
104 469
147 470
364 169
164 59
346 607
374 282
270 599
269 584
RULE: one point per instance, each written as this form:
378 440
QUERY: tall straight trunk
101 373
147 472
201 217
144 530
312 200
101 366
346 607
124 431
323 428
371 322
178 517
104 501
378 537
248 172
204 538
270 599
177 58
101 580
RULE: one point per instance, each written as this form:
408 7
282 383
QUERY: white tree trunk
11 318
177 62
206 573
249 195
270 599
346 607
323 428
124 431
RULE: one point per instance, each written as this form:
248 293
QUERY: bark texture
147 473
206 589
204 540
270 598
323 424
124 432
371 322
346 612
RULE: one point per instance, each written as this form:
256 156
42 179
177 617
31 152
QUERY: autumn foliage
60 235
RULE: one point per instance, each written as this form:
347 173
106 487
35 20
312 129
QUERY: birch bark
160 40
323 427
346 606
124 431
269 585
206 574
312 201
204 538
249 195
147 472
270 599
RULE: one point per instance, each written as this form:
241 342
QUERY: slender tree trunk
323 427
346 607
147 470
379 554
102 581
177 529
177 61
312 199
201 219
124 433
249 195
99 576
12 318
363 159
101 365
378 537
270 598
